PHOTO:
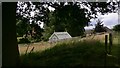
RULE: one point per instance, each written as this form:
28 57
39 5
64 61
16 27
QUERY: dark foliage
99 27
23 40
22 28
117 28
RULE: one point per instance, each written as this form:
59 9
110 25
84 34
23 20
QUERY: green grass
72 54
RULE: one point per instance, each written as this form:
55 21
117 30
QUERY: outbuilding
57 36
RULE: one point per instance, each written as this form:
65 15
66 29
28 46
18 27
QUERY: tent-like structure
56 36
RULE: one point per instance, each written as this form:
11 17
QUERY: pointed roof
61 35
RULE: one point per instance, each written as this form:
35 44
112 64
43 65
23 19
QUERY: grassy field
88 52
44 45
40 46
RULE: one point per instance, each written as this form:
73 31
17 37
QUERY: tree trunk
10 50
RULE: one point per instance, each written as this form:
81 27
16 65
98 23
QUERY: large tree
29 15
10 52
73 17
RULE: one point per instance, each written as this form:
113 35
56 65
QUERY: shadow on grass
72 54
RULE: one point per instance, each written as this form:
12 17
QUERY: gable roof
61 35
107 29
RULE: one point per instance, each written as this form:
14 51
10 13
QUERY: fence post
110 43
106 43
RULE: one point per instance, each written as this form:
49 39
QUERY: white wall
53 38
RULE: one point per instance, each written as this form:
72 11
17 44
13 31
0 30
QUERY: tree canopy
67 16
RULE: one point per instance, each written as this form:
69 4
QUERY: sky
109 20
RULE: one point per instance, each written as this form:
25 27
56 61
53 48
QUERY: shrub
116 28
23 40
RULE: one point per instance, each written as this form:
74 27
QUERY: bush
116 28
23 40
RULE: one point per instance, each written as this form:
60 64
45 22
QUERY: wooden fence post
110 43
106 43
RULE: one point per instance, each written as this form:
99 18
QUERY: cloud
109 20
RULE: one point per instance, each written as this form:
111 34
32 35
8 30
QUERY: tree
10 52
65 14
116 27
31 14
73 18
66 18
36 31
22 28
99 27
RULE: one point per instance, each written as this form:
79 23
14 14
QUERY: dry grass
96 37
40 46
37 47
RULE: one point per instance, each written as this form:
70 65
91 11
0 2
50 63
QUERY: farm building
56 36
108 30
89 32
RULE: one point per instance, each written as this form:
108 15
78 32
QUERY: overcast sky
109 20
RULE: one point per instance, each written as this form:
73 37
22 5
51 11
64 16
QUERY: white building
56 36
